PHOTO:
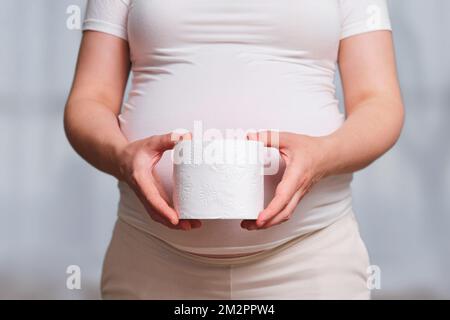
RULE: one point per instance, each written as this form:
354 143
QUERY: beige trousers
328 264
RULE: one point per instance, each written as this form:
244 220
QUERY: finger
252 135
186 136
150 193
286 213
195 223
269 138
161 220
281 217
189 224
249 224
160 186
184 224
164 142
284 192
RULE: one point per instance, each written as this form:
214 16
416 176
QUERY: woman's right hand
137 162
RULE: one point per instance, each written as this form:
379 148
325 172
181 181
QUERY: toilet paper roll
219 179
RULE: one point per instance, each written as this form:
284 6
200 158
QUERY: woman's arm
373 103
95 100
92 126
375 115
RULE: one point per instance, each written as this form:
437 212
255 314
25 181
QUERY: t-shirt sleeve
360 16
109 16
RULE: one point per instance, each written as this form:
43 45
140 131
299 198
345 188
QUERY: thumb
168 141
269 138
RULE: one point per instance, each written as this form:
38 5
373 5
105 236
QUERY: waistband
245 259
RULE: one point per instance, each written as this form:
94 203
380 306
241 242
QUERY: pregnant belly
224 99
227 115
227 89
328 200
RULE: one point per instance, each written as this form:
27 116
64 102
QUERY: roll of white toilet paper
219 179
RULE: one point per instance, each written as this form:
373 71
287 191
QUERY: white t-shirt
235 64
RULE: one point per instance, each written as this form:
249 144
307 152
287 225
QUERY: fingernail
175 137
252 135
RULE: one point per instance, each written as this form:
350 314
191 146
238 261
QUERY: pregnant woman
255 65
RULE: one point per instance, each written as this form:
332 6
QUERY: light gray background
56 211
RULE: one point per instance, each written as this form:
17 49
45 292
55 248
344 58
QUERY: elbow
393 125
399 122
68 122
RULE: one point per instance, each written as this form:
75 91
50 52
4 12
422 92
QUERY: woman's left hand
305 159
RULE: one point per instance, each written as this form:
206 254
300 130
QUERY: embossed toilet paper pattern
220 190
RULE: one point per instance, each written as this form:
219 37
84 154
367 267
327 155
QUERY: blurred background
56 211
